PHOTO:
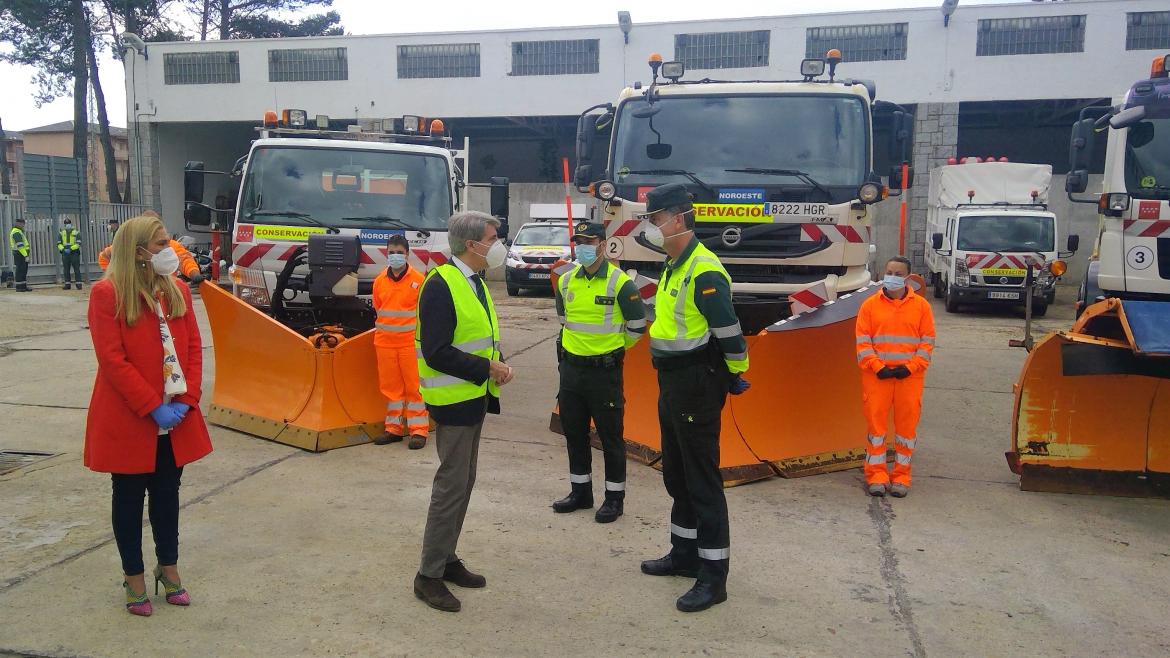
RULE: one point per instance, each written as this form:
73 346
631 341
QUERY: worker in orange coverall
396 301
895 342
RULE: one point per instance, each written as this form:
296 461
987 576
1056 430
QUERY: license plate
538 275
815 213
1003 295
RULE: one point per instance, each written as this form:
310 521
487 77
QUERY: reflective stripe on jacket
477 332
680 327
892 332
396 302
67 240
18 242
593 322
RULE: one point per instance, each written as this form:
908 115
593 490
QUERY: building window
858 43
722 50
1030 36
445 60
210 68
564 57
1147 30
308 65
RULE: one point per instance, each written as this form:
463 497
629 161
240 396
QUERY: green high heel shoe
137 604
176 594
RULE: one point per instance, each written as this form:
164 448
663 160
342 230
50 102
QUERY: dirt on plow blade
1092 405
273 383
802 414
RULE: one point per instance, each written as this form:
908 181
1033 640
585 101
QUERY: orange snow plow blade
802 414
1092 405
273 383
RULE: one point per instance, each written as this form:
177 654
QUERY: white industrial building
1003 80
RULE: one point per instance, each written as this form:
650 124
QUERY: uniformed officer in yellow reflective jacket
602 315
700 353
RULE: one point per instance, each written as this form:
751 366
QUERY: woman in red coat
144 421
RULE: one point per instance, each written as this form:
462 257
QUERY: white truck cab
1131 258
297 181
987 223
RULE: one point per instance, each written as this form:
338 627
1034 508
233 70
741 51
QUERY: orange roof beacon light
1057 267
437 127
270 119
833 57
655 64
1158 67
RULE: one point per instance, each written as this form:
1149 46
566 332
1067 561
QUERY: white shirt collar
463 267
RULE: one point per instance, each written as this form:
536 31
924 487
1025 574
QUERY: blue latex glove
165 416
180 408
738 385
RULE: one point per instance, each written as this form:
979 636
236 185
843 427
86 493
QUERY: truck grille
781 242
790 274
540 260
1010 281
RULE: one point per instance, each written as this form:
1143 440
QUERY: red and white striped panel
830 232
809 298
1143 228
617 229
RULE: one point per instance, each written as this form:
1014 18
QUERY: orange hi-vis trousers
879 396
406 413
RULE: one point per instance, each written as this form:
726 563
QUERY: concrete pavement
292 553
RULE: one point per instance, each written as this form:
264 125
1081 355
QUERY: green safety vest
476 332
68 238
593 321
678 325
18 242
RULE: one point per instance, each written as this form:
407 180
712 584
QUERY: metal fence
42 232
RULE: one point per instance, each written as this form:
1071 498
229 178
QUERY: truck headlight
254 296
869 193
606 190
962 274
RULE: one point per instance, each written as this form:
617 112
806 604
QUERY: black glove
196 277
901 372
738 385
886 373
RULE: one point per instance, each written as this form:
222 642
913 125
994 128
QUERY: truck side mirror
901 135
936 240
896 177
1080 148
586 129
193 182
1074 242
583 176
195 212
499 202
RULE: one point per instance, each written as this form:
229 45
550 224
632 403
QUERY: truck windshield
543 235
1006 233
346 188
825 137
1147 159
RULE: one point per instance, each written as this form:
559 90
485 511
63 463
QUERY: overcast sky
377 17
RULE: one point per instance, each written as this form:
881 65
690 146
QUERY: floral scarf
174 383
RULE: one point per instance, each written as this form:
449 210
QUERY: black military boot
387 437
434 592
701 596
609 511
670 565
581 497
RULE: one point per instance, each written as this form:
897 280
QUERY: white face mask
396 261
165 262
496 254
654 234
